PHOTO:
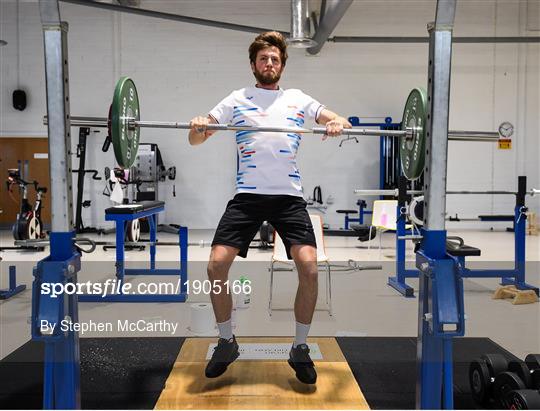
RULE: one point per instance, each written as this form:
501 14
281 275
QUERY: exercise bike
29 225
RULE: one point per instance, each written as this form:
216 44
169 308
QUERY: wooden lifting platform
260 384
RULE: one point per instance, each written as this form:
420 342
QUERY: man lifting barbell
268 181
268 187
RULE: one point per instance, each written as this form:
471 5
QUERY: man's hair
268 39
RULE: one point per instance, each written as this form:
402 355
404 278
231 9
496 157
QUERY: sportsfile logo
109 287
115 287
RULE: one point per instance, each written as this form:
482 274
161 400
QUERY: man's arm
326 115
198 133
334 123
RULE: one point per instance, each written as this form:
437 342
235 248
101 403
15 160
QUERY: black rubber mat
129 373
116 373
385 368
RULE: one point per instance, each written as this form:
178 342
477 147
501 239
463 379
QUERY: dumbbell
504 383
518 386
533 363
523 400
528 370
521 369
482 373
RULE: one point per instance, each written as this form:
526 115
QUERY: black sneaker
300 361
225 353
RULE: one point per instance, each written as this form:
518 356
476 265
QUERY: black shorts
246 212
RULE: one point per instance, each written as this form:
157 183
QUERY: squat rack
440 315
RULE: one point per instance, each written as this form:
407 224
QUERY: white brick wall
182 70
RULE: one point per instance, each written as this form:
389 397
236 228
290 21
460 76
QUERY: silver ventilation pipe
335 10
129 3
300 25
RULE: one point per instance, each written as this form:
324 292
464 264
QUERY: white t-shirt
267 161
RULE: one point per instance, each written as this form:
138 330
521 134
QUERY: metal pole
448 379
333 13
467 135
430 353
298 130
56 70
384 192
61 388
169 16
413 39
460 135
394 192
81 153
437 127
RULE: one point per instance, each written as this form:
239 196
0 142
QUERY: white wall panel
182 70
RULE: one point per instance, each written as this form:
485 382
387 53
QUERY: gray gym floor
363 305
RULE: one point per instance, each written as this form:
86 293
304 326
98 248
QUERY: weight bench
455 246
500 217
13 287
360 219
121 214
347 218
363 232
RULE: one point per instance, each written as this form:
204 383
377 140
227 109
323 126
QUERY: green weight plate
412 151
125 106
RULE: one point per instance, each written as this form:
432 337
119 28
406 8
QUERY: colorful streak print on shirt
244 139
298 121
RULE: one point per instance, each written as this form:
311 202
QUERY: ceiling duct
126 3
168 16
129 3
300 25
333 12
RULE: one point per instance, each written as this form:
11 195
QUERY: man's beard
268 78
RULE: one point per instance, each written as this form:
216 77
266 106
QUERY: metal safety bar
395 192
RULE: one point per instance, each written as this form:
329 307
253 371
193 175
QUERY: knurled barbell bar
462 135
124 128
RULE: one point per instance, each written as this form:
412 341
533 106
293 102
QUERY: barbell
124 126
395 192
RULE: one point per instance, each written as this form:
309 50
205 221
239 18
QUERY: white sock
225 330
302 331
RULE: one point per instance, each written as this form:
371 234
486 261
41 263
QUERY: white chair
384 218
280 256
